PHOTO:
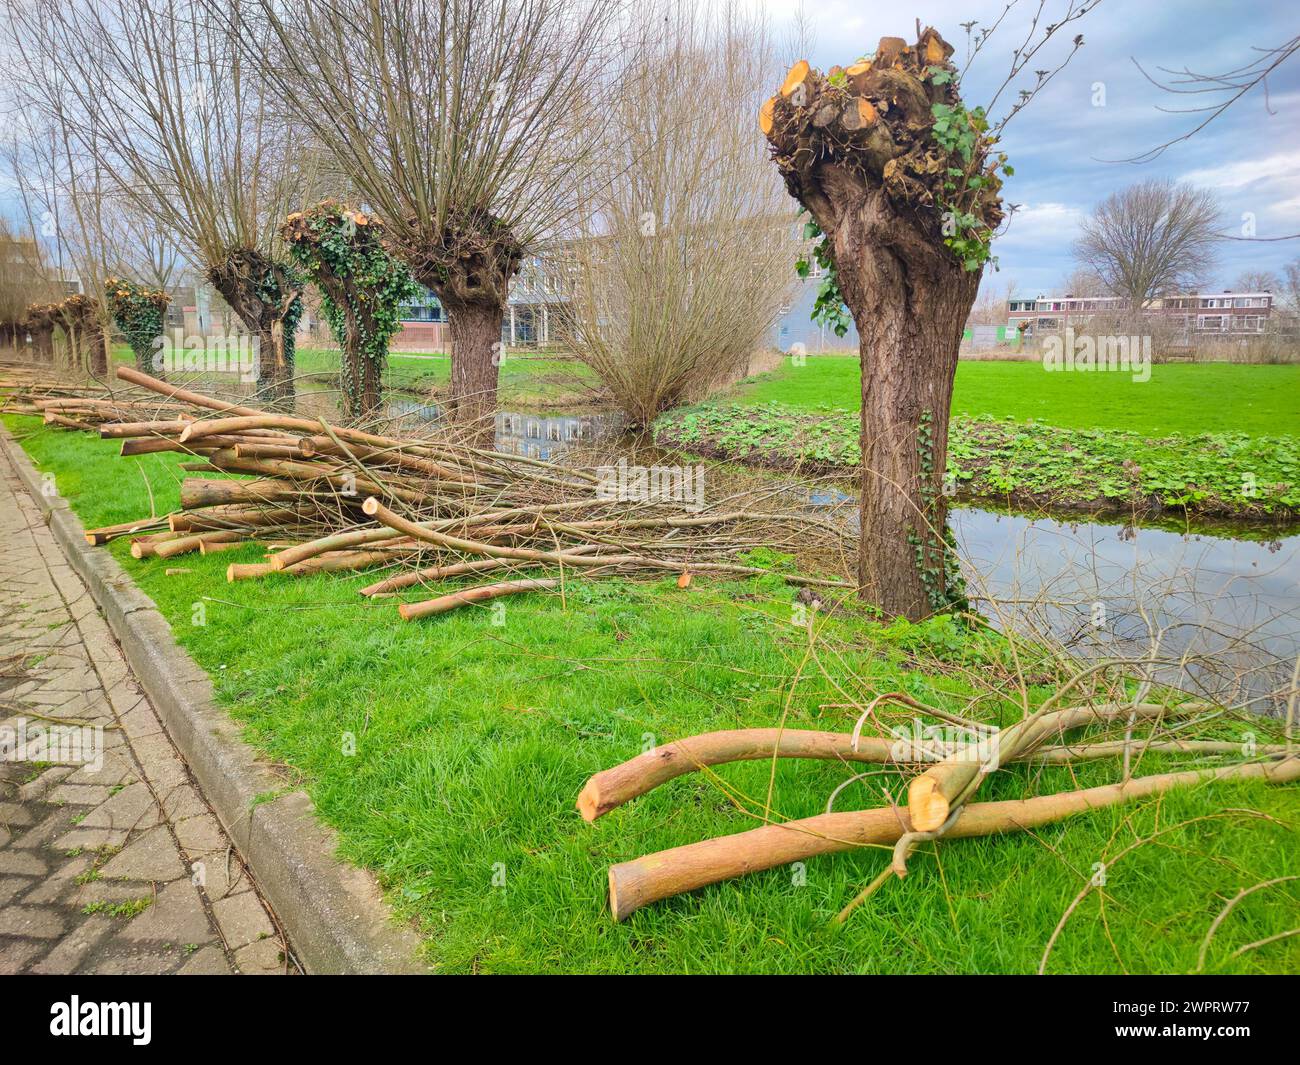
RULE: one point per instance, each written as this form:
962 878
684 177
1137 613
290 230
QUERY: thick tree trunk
910 298
362 375
910 302
274 370
43 343
469 266
475 362
97 342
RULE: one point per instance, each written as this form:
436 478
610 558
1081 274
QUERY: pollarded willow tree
40 321
83 326
161 97
362 289
901 181
140 312
460 124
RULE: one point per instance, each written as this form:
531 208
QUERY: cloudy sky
1060 145
1063 146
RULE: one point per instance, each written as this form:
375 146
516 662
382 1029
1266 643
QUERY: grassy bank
1217 475
472 741
1184 399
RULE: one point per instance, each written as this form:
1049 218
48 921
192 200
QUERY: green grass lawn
1180 397
472 742
526 381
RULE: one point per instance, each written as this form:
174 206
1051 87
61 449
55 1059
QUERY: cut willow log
124 430
481 594
195 399
184 544
339 562
932 795
612 787
200 492
217 518
243 571
360 445
209 546
103 535
68 423
390 585
672 872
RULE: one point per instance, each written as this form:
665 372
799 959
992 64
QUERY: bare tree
160 96
1216 92
67 195
1289 287
687 252
457 122
1151 238
1082 281
1258 281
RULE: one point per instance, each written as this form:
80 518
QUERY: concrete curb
333 913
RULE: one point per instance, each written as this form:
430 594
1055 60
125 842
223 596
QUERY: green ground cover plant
1024 464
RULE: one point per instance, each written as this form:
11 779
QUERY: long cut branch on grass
672 872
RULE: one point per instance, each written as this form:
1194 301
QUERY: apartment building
1241 314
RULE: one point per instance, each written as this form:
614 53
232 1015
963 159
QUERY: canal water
1226 608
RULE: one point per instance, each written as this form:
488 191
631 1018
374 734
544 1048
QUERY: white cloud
1042 224
1243 172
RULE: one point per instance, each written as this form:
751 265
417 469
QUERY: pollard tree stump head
871 126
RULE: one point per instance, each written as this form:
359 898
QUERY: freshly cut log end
889 50
614 908
370 507
765 114
933 46
588 805
926 804
797 76
859 114
857 76
243 571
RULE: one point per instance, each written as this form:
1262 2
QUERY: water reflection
1105 589
537 436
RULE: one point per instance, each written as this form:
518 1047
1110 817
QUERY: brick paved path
115 868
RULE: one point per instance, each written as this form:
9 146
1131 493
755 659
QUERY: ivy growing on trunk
362 289
139 312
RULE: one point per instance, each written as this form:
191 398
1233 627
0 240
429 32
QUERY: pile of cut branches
332 498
